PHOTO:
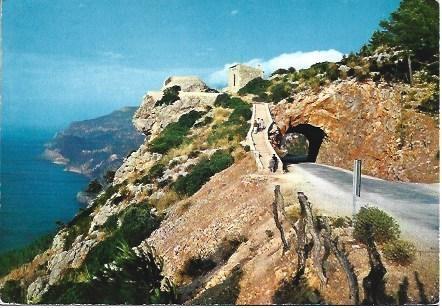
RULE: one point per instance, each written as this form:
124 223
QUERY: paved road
415 206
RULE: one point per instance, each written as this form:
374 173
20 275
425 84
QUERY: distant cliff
92 147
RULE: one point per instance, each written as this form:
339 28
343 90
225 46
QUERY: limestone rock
186 83
366 121
194 95
151 119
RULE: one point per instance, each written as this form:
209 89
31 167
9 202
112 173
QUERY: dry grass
238 154
220 115
170 197
293 213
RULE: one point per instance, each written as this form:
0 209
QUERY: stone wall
239 75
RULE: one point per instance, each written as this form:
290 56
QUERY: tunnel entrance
302 143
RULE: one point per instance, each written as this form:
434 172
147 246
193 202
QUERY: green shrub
279 91
137 223
174 133
146 179
282 71
79 225
207 120
339 222
236 125
201 173
430 105
109 176
220 160
255 86
17 257
109 192
111 223
94 187
371 220
13 292
133 280
399 251
192 182
155 172
170 96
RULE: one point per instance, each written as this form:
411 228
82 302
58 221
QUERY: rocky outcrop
151 119
137 162
186 83
368 121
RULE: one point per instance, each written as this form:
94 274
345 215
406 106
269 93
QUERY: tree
414 26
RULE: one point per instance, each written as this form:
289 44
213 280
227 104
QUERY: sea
35 193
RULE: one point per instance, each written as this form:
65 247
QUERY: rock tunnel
314 136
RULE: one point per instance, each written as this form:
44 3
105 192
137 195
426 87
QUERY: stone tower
239 75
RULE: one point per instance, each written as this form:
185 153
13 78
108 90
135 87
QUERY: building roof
248 66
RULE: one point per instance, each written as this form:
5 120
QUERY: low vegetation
155 172
174 133
106 195
94 187
136 224
201 173
13 292
17 257
257 86
236 127
130 279
170 96
371 220
399 251
80 225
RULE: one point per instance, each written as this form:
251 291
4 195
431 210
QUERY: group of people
258 125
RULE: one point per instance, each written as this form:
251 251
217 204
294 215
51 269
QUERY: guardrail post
356 183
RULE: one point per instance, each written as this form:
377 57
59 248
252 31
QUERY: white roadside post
356 183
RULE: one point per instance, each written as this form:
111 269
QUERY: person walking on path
273 163
261 124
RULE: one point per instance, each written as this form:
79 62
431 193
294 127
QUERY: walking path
259 142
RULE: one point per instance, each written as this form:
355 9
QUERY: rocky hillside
188 219
190 138
95 146
366 120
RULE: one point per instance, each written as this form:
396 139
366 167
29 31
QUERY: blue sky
69 60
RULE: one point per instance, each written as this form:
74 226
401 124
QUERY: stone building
186 83
239 75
